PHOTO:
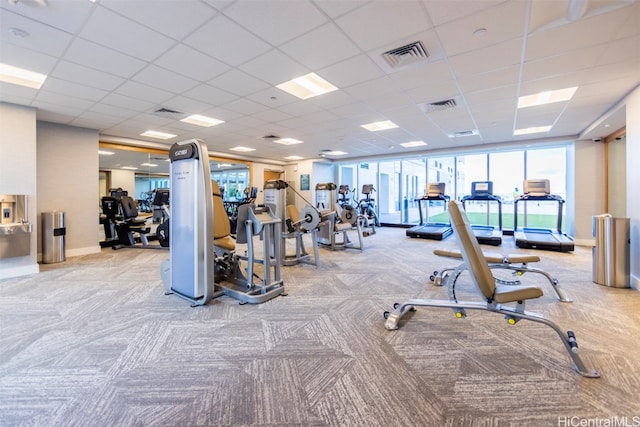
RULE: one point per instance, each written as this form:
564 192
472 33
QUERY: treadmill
431 230
541 238
486 234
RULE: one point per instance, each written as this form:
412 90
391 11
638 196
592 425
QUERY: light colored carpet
94 341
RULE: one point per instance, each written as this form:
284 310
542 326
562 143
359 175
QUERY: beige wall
68 181
588 188
617 157
18 171
633 180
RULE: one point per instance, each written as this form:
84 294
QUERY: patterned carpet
94 341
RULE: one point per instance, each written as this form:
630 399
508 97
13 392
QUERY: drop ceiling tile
336 8
500 77
116 32
427 73
332 100
165 79
239 83
245 106
274 67
73 106
570 62
127 102
310 49
176 19
621 50
68 16
506 95
210 95
188 62
210 38
142 91
272 115
435 92
24 58
92 55
276 22
72 89
442 12
379 23
15 94
86 76
487 59
40 38
351 71
458 37
575 35
299 108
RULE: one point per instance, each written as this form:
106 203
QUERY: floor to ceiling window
440 170
506 171
414 186
390 192
401 182
547 164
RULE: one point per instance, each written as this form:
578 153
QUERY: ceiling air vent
167 112
438 105
463 133
270 136
405 55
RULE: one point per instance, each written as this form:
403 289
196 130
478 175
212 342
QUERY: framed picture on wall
304 182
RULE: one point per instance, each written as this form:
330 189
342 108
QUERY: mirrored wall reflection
141 171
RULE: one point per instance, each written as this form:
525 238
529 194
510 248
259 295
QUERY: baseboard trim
83 251
23 270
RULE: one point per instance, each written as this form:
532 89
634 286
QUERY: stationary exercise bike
367 207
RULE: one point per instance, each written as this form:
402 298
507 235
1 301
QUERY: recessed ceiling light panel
158 135
199 120
288 141
376 126
21 76
307 86
412 144
535 129
242 149
547 97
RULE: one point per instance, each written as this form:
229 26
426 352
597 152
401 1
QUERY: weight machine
197 253
338 222
296 223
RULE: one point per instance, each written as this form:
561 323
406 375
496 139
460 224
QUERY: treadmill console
435 189
482 188
537 187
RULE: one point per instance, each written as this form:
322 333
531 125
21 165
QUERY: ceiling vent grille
438 105
462 134
270 136
406 55
167 112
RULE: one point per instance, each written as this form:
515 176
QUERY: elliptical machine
367 207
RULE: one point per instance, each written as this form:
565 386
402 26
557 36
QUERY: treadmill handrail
425 198
548 198
485 198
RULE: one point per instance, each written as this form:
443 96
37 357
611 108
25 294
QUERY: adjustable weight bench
495 295
518 263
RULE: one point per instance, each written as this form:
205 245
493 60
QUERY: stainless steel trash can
611 254
53 233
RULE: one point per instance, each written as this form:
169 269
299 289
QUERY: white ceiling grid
112 64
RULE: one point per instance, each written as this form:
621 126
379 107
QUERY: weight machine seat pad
478 266
221 224
491 257
227 243
510 293
342 226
